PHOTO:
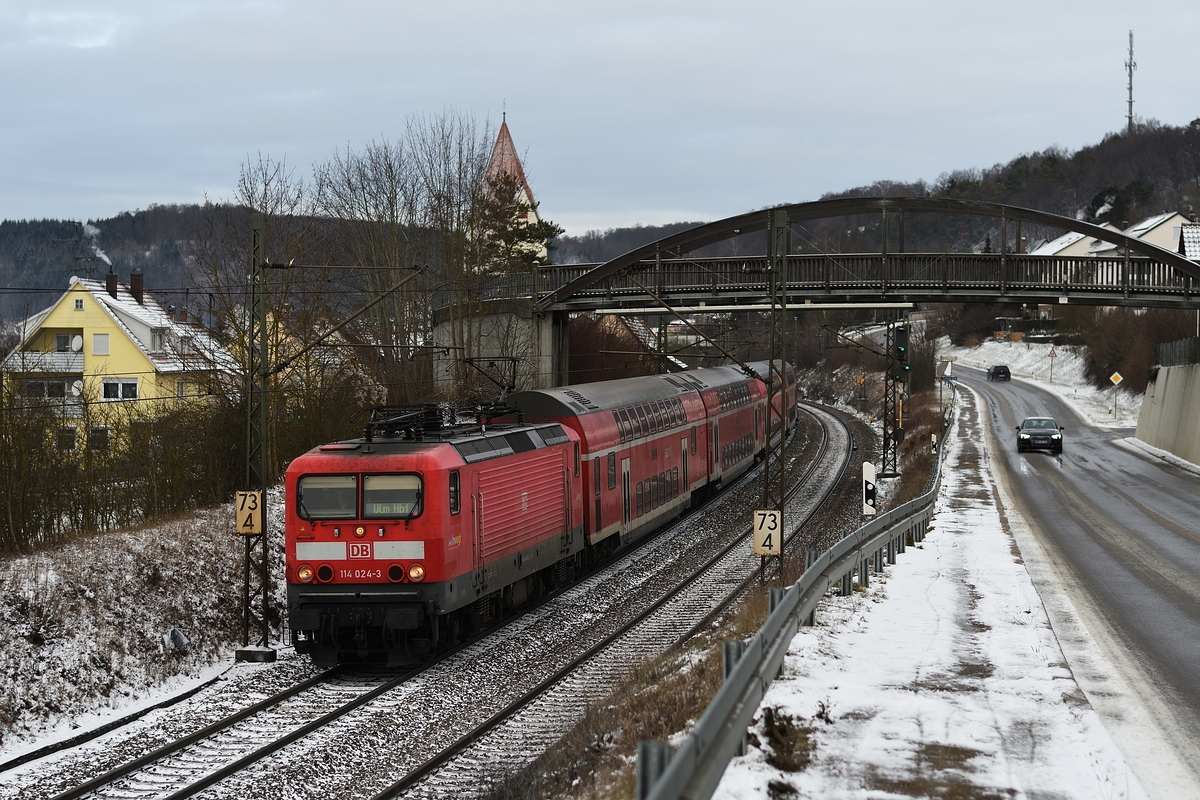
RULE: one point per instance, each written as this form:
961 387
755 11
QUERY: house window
99 344
181 387
158 340
62 342
98 438
115 389
79 304
66 436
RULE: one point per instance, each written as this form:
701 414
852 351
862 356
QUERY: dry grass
84 621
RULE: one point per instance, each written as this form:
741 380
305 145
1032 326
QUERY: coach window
620 427
455 489
645 423
577 459
639 498
626 425
391 496
596 472
327 497
612 470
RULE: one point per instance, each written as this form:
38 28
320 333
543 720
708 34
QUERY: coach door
476 522
625 491
685 486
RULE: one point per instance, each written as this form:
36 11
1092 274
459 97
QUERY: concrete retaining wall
1170 415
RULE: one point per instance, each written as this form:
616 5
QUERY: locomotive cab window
391 496
327 497
455 491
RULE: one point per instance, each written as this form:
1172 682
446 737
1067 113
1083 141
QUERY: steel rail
741 587
190 739
434 763
275 745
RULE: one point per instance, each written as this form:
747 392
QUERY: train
426 528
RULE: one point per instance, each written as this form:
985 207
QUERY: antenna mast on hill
1130 66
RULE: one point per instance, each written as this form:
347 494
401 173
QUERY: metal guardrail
695 770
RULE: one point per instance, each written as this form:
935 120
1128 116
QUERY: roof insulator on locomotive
431 419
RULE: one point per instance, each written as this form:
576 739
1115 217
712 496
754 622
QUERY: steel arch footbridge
1137 274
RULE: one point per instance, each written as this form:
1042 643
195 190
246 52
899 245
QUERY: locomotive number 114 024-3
360 573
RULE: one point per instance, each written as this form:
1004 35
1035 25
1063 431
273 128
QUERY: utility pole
257 586
1130 66
774 472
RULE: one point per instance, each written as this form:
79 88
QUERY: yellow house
106 351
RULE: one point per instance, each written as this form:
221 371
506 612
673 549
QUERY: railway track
510 740
336 725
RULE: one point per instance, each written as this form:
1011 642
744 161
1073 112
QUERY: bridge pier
508 328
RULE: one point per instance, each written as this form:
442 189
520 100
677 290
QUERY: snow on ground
942 679
1028 361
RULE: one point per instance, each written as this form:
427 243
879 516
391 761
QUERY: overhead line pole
256 589
774 472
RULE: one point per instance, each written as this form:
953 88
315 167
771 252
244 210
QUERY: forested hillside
1121 180
38 257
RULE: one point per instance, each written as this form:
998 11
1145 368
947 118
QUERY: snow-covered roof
1189 241
1054 247
182 346
1139 230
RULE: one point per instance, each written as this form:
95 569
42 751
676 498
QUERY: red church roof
505 161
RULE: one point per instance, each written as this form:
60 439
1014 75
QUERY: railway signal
869 504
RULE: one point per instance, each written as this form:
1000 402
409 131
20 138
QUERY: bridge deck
915 277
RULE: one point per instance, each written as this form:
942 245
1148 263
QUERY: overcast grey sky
624 112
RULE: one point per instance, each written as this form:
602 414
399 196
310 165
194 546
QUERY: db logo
360 549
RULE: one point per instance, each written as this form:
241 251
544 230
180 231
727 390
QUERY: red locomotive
402 538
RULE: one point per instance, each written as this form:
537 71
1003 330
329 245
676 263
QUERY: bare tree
375 198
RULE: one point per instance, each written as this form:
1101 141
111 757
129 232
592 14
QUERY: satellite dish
76 343
77 388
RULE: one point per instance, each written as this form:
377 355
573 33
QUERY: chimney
182 318
110 284
136 286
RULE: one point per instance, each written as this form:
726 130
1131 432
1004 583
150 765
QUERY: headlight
1056 436
304 573
416 573
1023 436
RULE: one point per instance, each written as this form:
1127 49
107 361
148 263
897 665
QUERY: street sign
1052 354
949 377
248 513
1116 378
768 532
868 477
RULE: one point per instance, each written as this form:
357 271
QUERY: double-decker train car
402 538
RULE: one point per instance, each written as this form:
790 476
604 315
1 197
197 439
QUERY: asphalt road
1120 533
